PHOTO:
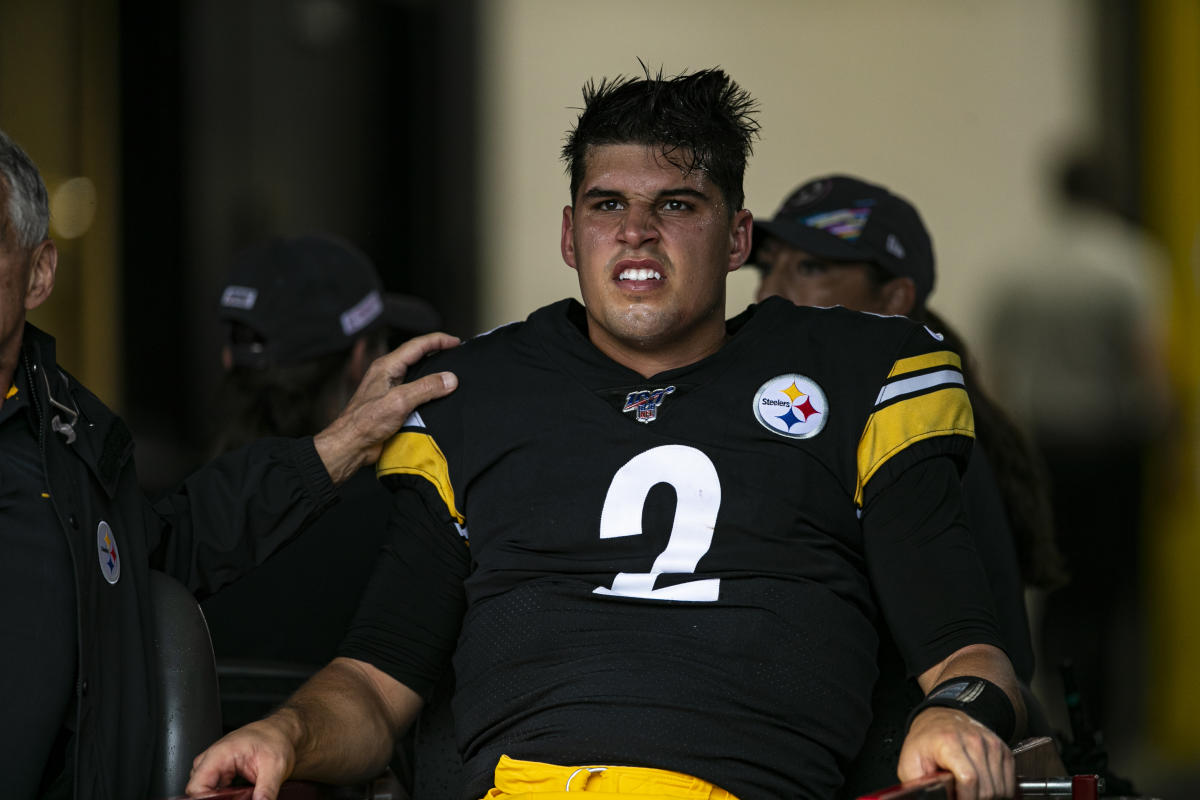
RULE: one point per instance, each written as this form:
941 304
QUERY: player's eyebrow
683 191
597 192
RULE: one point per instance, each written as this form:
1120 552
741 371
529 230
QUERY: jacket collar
71 414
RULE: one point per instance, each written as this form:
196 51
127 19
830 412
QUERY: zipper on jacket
31 369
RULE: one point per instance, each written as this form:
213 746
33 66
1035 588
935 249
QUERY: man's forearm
344 723
957 731
981 661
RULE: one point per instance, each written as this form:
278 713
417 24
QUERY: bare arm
984 661
380 405
340 727
949 739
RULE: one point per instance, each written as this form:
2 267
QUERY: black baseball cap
841 218
310 296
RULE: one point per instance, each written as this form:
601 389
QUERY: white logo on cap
106 549
791 405
362 313
242 297
894 247
809 193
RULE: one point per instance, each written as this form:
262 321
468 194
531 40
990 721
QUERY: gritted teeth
639 275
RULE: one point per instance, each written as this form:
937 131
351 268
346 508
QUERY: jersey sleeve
414 453
994 539
924 567
410 613
921 410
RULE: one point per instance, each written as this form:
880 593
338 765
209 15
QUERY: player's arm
972 709
340 727
927 575
933 593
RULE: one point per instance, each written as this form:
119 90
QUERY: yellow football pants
532 780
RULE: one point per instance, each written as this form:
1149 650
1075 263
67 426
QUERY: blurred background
1052 146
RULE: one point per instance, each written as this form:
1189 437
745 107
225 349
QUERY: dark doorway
245 119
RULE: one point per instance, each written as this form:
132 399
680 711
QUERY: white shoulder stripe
493 330
946 377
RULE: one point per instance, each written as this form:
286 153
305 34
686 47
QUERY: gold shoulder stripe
941 358
889 430
413 452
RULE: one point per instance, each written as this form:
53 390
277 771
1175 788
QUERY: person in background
304 318
79 538
838 240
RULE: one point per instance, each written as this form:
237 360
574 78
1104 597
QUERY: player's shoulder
843 318
845 330
485 349
502 353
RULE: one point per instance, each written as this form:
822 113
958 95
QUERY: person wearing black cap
80 539
840 240
304 317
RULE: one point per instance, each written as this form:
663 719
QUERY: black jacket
223 520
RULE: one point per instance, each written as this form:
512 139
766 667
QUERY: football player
654 541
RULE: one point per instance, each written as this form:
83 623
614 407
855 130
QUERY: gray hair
28 212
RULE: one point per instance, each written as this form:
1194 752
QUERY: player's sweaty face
652 245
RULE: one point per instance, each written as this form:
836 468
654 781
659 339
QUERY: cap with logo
310 296
841 218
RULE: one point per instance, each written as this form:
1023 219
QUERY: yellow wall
1171 126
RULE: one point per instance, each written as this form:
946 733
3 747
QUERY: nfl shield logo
645 403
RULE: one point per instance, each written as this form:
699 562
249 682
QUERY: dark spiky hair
701 120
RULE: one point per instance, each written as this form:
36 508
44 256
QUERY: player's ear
568 237
740 237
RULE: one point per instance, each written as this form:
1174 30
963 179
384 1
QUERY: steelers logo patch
106 549
791 405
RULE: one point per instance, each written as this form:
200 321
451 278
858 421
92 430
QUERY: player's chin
643 325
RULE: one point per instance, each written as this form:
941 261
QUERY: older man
79 538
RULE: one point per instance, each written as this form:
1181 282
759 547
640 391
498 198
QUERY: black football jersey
670 571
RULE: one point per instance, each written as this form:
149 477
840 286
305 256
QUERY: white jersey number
697 499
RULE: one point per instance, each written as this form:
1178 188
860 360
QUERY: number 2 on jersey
697 499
